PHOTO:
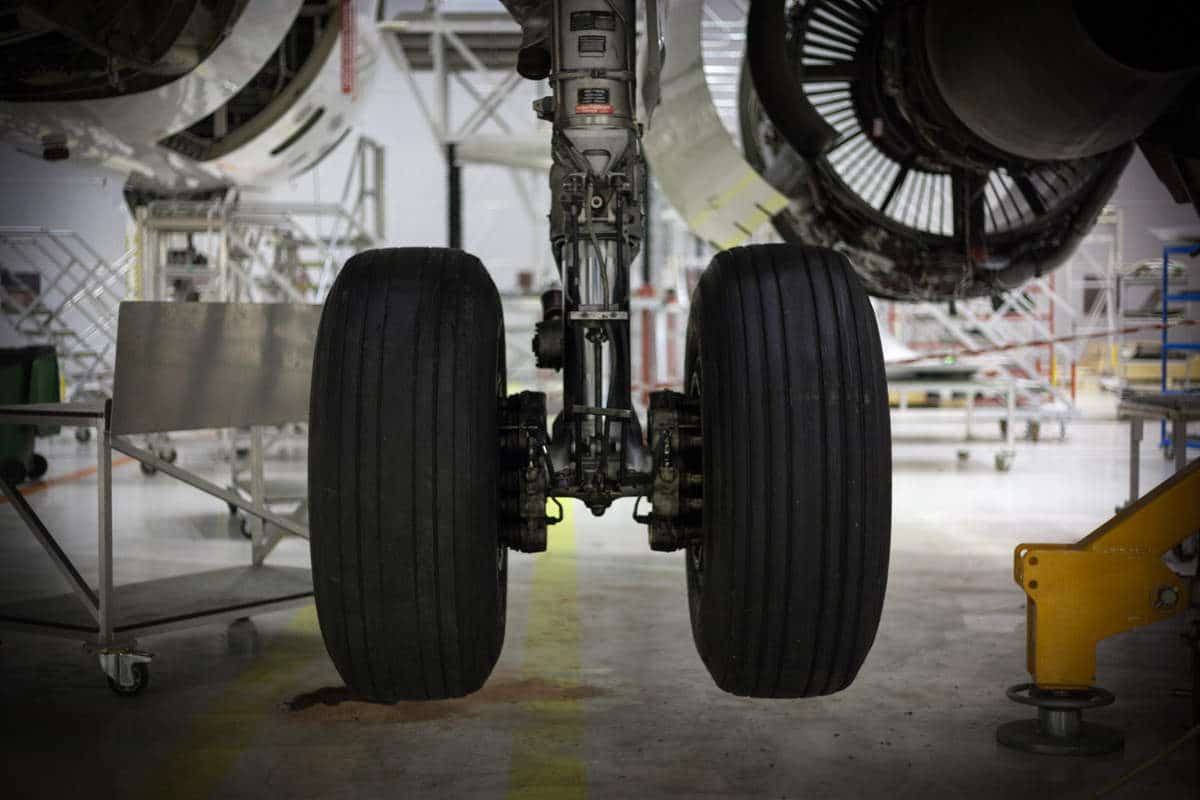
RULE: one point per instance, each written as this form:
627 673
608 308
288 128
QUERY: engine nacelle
227 93
956 147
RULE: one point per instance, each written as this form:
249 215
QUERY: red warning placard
593 100
348 47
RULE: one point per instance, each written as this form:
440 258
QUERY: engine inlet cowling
919 137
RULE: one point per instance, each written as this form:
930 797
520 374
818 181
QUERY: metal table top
1159 404
54 413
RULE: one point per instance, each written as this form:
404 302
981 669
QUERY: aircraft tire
409 575
787 585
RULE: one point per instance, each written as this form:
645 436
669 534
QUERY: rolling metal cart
180 366
1005 389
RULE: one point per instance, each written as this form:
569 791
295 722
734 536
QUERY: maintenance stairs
1016 335
244 249
56 289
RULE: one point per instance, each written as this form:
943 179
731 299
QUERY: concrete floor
599 691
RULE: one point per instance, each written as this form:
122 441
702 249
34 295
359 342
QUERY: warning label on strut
593 100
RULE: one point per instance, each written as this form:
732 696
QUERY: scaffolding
1093 274
1043 372
245 251
461 70
230 250
55 289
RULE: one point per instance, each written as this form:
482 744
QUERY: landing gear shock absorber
596 228
772 470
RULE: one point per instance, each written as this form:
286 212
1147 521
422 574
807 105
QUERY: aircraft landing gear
771 469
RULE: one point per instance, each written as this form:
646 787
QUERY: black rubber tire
409 573
141 679
787 587
37 466
83 435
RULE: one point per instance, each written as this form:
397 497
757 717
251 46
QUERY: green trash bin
27 375
44 383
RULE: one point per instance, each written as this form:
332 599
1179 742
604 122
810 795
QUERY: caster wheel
233 510
244 527
147 469
1033 430
1003 462
963 456
37 466
427 330
169 455
83 435
141 678
786 582
1003 429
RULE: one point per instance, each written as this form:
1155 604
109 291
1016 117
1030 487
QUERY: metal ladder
56 289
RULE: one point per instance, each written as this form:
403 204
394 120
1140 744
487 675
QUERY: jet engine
183 96
954 148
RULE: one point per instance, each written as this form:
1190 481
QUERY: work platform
167 604
256 363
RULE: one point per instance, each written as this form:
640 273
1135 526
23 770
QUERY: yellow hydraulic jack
1112 581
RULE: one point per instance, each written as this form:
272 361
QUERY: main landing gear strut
770 469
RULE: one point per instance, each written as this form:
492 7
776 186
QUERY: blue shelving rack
1191 250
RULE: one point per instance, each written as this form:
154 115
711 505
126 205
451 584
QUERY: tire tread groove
402 531
797 500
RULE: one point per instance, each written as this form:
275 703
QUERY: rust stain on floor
339 704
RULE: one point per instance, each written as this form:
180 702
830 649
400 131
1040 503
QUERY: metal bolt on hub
1168 597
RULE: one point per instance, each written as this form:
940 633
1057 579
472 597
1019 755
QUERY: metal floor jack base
1059 728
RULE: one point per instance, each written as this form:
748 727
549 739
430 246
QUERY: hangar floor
599 691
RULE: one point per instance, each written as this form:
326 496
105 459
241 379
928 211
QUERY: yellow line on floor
547 754
220 733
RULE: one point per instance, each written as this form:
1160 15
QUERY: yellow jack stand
1112 581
